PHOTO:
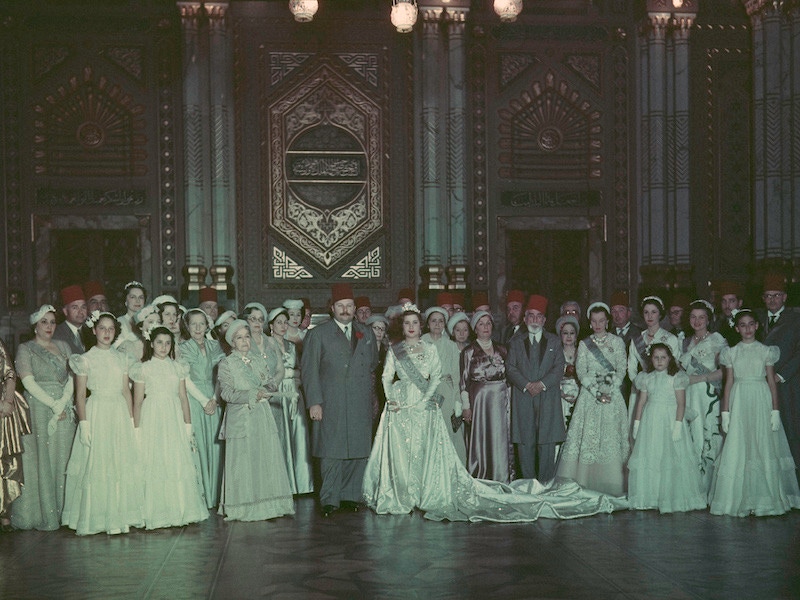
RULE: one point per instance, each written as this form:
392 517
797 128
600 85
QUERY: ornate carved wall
323 117
553 140
88 141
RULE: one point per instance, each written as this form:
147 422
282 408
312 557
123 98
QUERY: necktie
347 332
619 331
78 340
772 319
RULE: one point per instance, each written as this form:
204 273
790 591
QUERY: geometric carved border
369 267
480 206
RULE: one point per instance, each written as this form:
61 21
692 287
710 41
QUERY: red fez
774 282
92 289
443 298
208 294
341 291
515 296
458 298
480 299
733 288
620 298
72 294
406 293
363 301
679 299
537 302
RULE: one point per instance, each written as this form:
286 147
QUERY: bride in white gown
413 463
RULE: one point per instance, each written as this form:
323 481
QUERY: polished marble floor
363 555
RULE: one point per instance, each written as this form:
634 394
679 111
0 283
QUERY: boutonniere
359 335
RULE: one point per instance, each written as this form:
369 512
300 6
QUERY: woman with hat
458 328
485 402
255 485
567 328
201 355
296 309
435 318
256 314
42 367
135 297
289 408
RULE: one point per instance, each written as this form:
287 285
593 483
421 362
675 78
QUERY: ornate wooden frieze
364 64
622 134
325 165
551 199
370 266
513 65
129 59
588 66
480 205
75 197
89 127
281 64
48 57
167 172
285 267
550 132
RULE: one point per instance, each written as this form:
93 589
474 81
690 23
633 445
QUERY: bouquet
604 383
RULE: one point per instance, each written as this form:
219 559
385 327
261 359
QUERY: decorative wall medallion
283 63
550 132
514 65
368 267
363 64
284 267
89 127
325 165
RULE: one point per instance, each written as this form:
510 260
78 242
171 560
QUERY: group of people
152 418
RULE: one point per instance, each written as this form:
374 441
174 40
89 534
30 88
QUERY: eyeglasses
255 319
773 296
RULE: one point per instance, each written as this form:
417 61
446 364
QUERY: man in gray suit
534 367
75 311
339 358
781 326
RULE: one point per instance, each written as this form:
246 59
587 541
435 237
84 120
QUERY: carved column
197 193
664 166
432 176
456 146
223 195
775 135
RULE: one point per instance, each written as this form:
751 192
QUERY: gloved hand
635 429
85 433
726 420
42 396
677 431
775 420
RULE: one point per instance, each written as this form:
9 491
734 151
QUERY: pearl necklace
410 348
485 345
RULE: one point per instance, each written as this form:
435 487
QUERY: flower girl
663 472
173 495
754 473
102 493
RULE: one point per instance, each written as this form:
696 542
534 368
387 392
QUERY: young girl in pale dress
754 473
663 472
102 491
173 493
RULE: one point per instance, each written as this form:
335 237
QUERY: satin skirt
490 453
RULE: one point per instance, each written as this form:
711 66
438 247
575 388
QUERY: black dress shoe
350 506
328 510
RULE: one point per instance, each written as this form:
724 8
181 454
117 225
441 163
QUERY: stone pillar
196 140
223 191
456 147
432 177
665 157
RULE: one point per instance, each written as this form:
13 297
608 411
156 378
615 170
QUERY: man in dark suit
339 357
622 326
75 311
534 368
781 326
730 295
515 299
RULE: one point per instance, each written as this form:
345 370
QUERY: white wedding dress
413 464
